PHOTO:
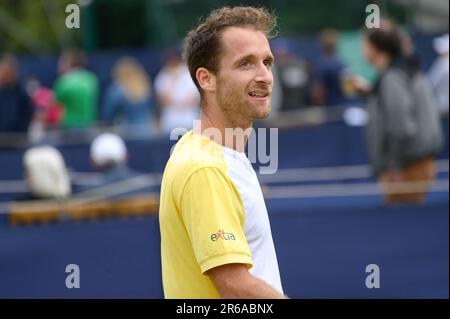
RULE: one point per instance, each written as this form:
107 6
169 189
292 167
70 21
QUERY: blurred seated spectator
438 73
403 134
177 95
16 110
293 76
128 101
109 156
330 73
77 90
46 174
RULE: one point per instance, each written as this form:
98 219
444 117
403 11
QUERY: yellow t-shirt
203 212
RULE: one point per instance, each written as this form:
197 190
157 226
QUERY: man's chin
262 113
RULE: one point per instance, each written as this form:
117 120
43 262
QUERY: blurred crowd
404 105
146 107
143 108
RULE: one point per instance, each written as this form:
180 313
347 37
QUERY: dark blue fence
323 249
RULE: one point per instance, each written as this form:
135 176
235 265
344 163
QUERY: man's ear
206 79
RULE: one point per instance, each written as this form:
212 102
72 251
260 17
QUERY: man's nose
264 74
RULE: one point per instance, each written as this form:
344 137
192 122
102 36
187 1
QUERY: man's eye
245 64
268 64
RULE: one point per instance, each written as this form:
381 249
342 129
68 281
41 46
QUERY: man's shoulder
78 75
192 153
86 76
196 148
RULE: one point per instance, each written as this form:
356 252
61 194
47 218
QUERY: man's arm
235 281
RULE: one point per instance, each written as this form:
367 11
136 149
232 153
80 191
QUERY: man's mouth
258 94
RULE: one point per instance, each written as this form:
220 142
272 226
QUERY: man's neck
8 85
223 129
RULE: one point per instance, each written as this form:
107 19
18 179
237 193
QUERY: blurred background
85 119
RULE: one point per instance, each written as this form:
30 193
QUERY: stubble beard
235 107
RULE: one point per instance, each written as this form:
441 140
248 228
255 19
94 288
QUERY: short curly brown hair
202 44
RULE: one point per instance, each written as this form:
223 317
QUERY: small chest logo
222 235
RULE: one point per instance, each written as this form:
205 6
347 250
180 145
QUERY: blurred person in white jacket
176 94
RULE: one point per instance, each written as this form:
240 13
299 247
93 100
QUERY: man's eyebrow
242 59
269 57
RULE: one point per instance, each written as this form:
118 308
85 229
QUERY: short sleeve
213 213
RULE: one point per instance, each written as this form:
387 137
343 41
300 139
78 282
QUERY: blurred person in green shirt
77 90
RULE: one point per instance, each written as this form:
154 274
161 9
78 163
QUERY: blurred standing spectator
47 112
438 73
47 109
330 73
293 76
177 95
128 100
77 90
408 50
16 110
404 133
46 174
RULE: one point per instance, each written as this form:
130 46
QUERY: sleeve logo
222 235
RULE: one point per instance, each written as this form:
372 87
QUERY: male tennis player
215 233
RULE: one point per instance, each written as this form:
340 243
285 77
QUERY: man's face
7 74
244 78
